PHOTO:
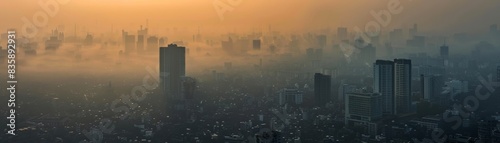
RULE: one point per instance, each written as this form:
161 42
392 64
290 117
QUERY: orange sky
251 14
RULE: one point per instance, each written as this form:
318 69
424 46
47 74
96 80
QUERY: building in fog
321 41
129 41
383 74
368 54
417 41
413 31
402 86
342 33
140 42
322 89
363 110
256 44
162 42
172 70
189 85
290 96
444 51
152 43
431 87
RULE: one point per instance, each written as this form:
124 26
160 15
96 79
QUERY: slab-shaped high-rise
402 86
172 70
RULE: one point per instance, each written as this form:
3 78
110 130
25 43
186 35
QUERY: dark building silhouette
172 70
322 89
383 73
402 86
444 51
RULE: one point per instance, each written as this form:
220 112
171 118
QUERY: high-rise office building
402 86
383 73
322 89
172 70
363 110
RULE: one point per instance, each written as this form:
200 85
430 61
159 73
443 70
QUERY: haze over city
253 70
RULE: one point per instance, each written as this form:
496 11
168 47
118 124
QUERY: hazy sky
95 15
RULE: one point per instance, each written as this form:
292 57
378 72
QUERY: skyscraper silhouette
383 73
444 51
322 89
402 86
172 70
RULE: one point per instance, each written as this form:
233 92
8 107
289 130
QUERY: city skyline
250 71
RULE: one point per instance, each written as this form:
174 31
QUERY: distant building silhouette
152 43
172 70
402 86
321 41
322 89
129 41
256 44
431 87
413 31
383 73
444 51
162 42
342 33
140 42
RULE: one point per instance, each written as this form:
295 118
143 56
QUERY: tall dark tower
172 70
383 73
322 89
402 86
444 51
